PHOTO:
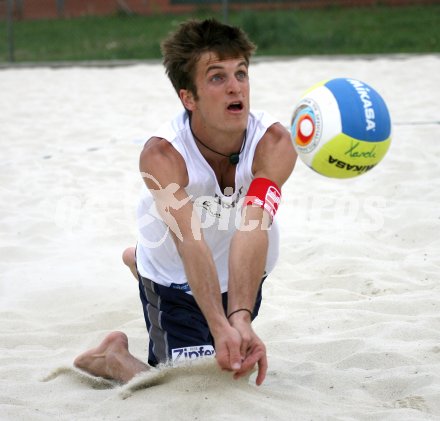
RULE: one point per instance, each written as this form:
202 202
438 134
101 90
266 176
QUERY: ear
187 99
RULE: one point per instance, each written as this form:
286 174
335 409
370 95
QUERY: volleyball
341 128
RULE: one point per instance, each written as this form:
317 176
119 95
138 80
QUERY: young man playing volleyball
206 238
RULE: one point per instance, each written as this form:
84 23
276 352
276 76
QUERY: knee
128 256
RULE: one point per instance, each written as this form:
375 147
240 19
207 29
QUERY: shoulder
267 128
160 161
275 155
276 135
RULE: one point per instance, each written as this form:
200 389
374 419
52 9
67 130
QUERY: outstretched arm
166 176
274 159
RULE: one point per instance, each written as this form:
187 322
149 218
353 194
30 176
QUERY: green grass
347 31
372 30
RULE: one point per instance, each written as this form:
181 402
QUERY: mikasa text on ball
341 128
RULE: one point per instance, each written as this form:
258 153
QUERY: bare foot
111 359
129 258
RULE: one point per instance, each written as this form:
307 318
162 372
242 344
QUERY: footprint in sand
414 402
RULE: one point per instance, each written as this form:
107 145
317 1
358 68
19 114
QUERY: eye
217 78
241 75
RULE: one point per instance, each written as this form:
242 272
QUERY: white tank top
156 255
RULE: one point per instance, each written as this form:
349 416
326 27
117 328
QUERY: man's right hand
227 349
238 349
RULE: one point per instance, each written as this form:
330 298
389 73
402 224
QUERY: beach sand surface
351 314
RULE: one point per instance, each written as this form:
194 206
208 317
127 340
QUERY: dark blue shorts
177 328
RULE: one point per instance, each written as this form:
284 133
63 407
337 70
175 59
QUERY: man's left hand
253 350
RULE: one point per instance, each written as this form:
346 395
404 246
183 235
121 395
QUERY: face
222 102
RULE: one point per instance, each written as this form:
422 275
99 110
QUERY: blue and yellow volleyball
341 128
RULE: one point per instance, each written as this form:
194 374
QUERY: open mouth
235 106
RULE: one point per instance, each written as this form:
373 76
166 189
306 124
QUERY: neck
233 156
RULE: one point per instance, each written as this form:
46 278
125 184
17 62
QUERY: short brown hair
182 49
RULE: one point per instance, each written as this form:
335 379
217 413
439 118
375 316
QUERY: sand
351 315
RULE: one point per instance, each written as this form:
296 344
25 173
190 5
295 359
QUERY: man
206 234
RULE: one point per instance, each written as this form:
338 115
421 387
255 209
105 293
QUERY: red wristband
265 194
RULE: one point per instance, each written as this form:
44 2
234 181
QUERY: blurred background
98 30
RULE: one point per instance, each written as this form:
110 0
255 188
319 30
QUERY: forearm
246 267
247 260
203 281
